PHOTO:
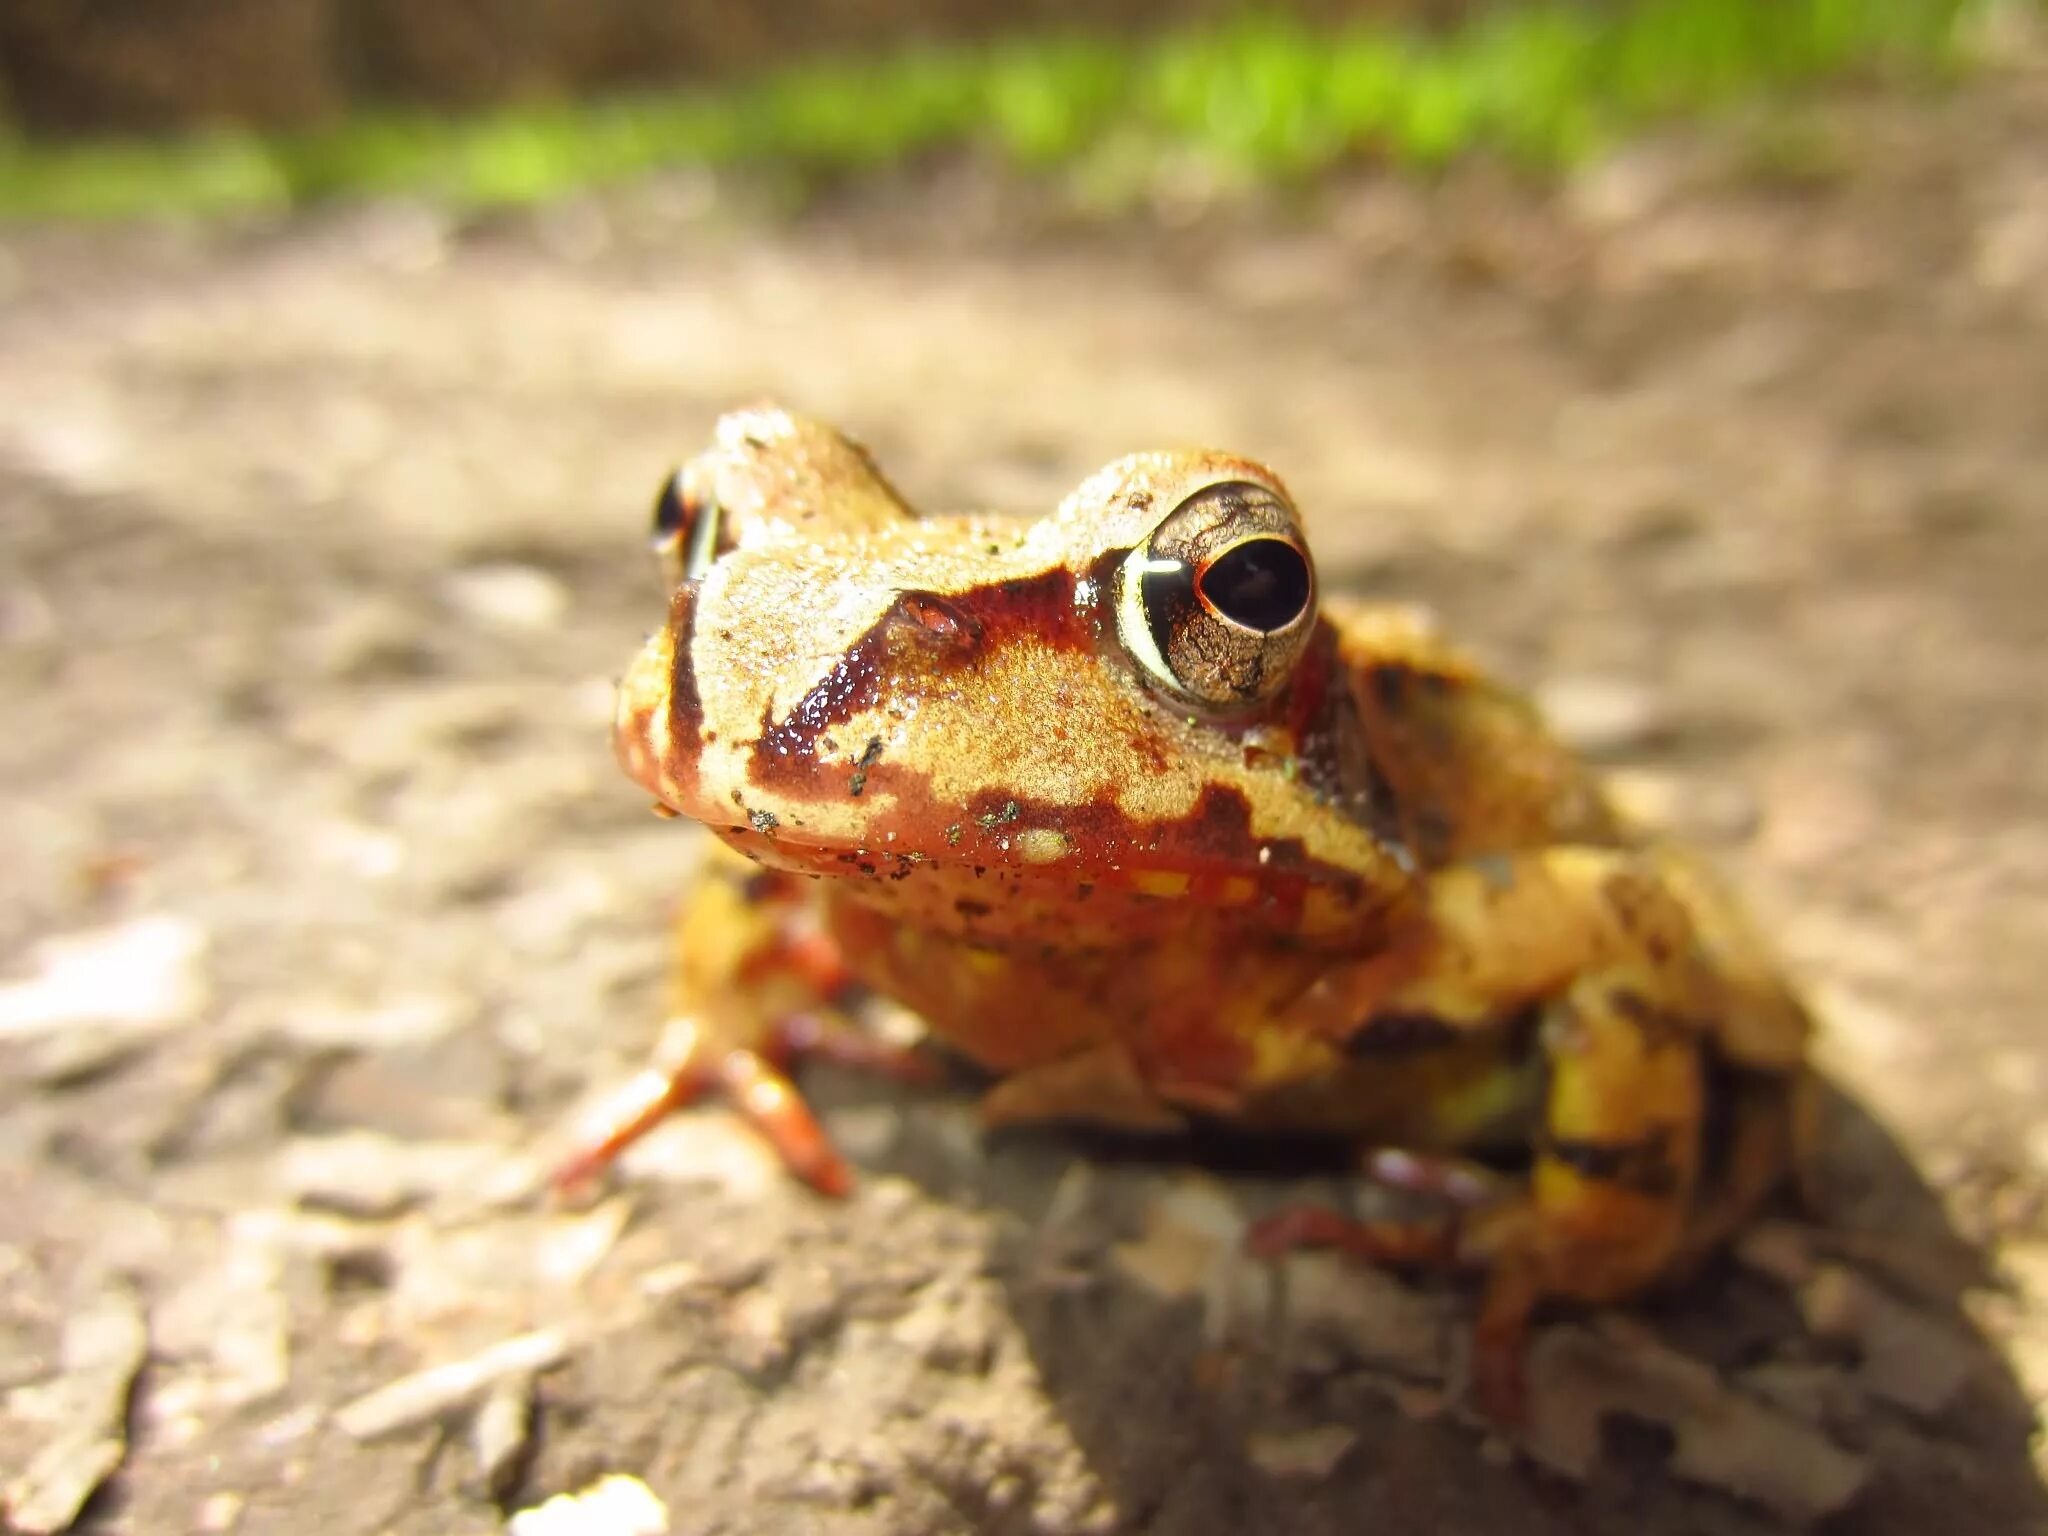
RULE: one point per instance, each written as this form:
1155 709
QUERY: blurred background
1687 359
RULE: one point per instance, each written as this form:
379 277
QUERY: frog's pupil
668 508
1262 584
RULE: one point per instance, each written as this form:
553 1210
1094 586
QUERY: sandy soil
324 904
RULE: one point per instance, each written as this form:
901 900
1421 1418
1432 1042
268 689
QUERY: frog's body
1130 819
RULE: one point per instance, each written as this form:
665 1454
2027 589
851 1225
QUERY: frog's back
1467 766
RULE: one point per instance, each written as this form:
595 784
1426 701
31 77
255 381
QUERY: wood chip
1368 1315
501 1436
1780 1250
438 1390
1905 1357
228 1325
1578 1378
369 1175
105 1344
1305 1453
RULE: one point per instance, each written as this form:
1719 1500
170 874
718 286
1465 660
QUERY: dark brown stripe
923 636
686 710
1643 1165
1334 755
1659 1027
1389 1034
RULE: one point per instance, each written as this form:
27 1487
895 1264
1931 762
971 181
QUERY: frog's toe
1431 1244
770 1102
627 1114
687 1067
1457 1181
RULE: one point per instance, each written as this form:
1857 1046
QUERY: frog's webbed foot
1475 1203
1430 1243
689 1065
1440 1244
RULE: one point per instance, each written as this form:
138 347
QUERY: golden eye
1217 605
689 530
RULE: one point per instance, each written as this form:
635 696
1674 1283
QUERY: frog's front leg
1632 993
756 986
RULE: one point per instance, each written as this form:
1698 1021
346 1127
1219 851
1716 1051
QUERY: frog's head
1133 695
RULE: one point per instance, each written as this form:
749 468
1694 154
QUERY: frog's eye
1217 605
688 530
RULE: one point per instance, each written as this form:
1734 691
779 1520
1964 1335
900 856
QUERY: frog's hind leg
1616 1164
1606 1205
1760 1128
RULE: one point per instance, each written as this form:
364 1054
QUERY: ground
326 906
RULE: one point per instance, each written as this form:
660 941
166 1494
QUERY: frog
1131 815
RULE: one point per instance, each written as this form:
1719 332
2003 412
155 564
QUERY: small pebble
617 1505
1170 1258
1603 716
219 1512
1366 1315
1699 810
508 596
405 1021
369 1175
1306 1453
144 974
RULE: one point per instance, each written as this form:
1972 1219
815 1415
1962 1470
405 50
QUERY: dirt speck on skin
315 567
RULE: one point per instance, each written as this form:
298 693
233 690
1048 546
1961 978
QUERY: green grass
1261 99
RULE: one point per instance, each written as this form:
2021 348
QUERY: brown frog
1132 816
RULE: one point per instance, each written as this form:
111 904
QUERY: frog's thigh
1598 938
1500 932
1100 1085
1617 1159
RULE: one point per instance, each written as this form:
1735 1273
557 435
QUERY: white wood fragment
501 1433
105 1344
428 1394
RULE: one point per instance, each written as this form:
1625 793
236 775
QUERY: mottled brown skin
1153 838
